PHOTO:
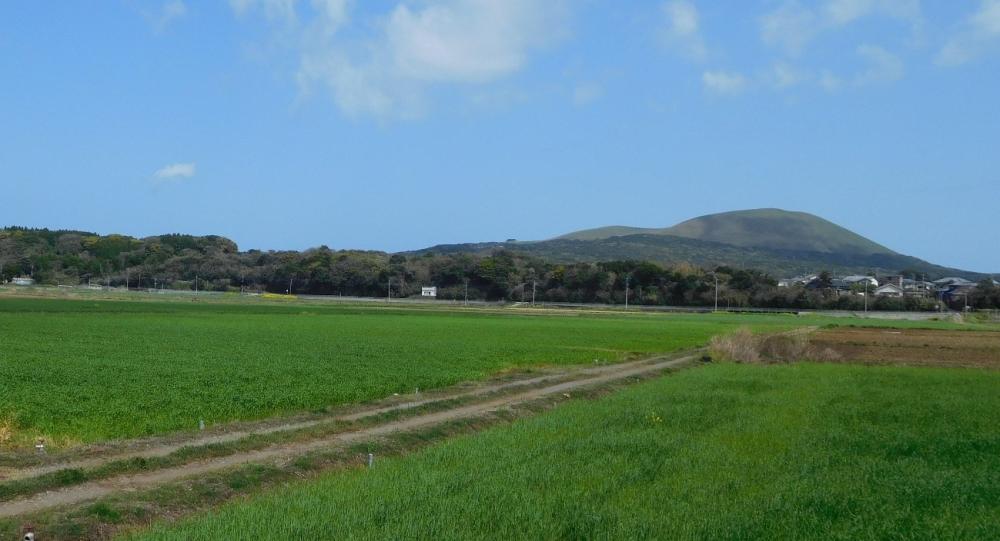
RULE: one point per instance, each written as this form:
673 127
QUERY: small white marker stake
371 459
201 424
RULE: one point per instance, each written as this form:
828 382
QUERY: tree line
213 263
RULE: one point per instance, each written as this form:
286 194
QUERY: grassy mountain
773 229
779 242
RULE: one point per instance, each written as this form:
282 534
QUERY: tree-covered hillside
671 250
488 273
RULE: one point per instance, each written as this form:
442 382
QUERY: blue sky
398 124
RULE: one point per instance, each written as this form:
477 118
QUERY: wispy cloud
792 25
275 10
388 68
724 83
978 33
847 11
175 172
784 75
883 66
830 82
168 13
587 93
682 29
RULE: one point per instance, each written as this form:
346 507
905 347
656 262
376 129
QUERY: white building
889 290
857 279
429 292
23 281
797 281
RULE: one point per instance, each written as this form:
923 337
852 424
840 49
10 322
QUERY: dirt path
152 448
97 489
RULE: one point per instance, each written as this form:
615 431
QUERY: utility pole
627 278
866 295
532 292
388 297
716 276
290 280
196 283
466 292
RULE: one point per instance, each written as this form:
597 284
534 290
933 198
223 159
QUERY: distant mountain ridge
773 229
780 242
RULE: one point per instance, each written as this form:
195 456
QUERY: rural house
889 290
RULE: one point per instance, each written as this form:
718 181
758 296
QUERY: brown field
919 347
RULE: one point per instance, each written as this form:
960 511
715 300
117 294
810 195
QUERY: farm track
282 452
154 448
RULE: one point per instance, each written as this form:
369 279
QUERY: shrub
743 346
6 430
740 346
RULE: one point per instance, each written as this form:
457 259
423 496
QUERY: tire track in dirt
126 483
155 450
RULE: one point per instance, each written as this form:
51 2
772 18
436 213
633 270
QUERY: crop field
83 371
725 451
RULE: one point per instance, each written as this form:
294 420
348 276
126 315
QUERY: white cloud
168 13
175 171
979 32
172 10
469 41
883 66
333 13
587 93
725 83
388 67
830 82
792 26
682 31
987 19
847 11
275 10
785 76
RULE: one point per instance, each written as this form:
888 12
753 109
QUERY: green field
75 370
724 451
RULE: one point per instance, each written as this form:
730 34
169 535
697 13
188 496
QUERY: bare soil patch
919 347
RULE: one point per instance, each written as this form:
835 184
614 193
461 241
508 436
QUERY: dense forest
213 263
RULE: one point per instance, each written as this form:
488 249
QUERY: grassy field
725 451
75 370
